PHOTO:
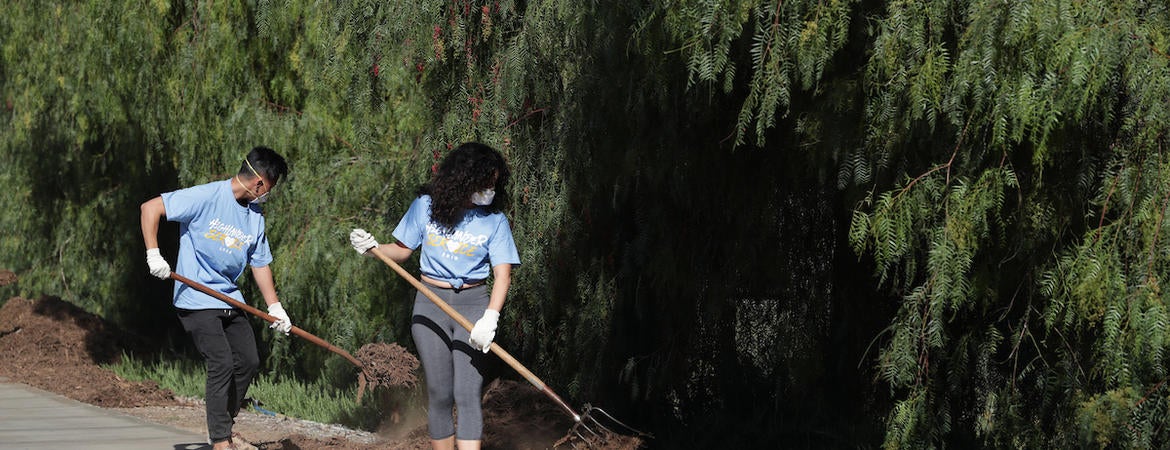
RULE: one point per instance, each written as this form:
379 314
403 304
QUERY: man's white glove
361 240
484 330
158 265
283 324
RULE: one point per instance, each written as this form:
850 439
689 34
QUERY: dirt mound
517 416
57 347
388 365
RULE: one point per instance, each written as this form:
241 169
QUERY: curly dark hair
467 169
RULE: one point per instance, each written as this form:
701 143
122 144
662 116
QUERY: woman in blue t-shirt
458 221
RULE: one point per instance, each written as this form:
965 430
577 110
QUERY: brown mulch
56 346
7 277
388 365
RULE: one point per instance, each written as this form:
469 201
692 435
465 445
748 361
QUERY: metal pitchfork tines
602 435
594 431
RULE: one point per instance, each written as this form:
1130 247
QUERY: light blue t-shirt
218 237
467 254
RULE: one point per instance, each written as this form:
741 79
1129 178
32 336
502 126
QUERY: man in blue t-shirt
221 230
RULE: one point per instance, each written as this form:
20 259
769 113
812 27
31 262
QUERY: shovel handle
263 315
495 348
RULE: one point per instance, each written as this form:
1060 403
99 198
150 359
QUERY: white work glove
361 240
484 330
158 265
283 324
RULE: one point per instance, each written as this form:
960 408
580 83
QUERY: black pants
224 338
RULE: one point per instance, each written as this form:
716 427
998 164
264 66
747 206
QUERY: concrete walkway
32 419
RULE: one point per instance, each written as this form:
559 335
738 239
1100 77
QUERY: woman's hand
361 240
484 330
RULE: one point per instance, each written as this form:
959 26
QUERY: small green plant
305 400
315 400
183 377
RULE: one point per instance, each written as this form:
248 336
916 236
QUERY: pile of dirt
388 365
57 347
7 277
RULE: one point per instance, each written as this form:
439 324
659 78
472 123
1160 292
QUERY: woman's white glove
158 265
361 240
484 330
283 324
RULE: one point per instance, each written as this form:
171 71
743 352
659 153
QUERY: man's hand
158 265
283 324
362 241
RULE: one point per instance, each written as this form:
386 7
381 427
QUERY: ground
55 346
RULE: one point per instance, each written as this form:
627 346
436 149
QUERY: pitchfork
584 421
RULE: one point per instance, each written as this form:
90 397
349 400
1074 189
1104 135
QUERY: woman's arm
395 251
503 280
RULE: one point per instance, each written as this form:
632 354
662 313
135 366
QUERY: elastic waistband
182 312
457 290
467 285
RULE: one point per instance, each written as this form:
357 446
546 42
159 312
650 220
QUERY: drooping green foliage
790 46
1022 220
704 189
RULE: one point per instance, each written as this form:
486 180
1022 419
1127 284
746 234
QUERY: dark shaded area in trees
108 176
740 308
742 316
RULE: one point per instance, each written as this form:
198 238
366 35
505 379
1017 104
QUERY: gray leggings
450 364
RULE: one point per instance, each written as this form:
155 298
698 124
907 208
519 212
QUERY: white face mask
259 199
484 197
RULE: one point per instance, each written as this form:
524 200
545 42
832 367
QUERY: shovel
297 331
581 421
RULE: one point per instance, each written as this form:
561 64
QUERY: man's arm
263 277
152 213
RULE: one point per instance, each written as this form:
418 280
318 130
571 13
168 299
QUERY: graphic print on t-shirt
231 237
456 245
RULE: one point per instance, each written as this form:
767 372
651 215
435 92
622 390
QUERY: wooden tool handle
263 315
495 348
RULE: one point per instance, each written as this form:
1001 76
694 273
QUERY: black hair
266 162
466 170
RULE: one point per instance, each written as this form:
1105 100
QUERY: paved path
32 419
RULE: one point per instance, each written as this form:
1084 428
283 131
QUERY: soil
56 346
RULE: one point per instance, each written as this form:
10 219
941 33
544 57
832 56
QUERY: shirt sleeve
502 247
262 255
184 205
412 228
